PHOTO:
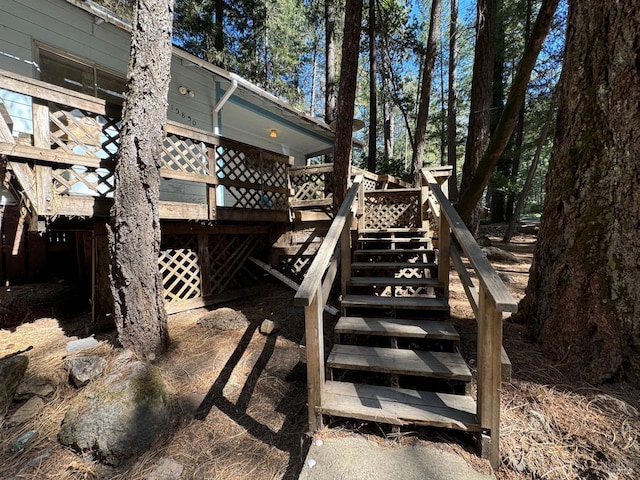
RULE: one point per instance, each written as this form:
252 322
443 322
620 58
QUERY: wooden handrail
334 252
313 278
487 276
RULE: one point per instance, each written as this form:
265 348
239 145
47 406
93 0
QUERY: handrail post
41 126
345 254
211 189
314 331
489 374
444 252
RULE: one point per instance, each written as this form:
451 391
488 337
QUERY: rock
34 386
484 241
30 409
614 405
268 327
84 369
23 441
496 254
166 469
12 372
120 415
81 344
224 319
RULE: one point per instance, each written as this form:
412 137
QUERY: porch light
273 133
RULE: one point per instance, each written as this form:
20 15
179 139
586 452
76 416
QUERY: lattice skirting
392 209
198 265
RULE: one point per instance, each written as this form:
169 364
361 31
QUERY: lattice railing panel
295 266
252 199
83 133
369 184
249 167
311 186
80 180
179 266
228 260
392 209
185 155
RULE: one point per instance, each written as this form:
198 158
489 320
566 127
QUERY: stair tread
374 301
394 282
395 230
398 327
385 251
400 361
395 239
399 406
393 265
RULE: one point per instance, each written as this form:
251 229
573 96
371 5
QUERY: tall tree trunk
480 108
373 100
583 297
346 100
219 26
471 195
425 93
134 234
508 234
452 102
389 131
330 61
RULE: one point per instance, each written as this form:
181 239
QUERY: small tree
134 233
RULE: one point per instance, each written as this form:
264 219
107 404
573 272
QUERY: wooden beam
6 125
288 282
28 183
52 156
251 215
192 303
46 91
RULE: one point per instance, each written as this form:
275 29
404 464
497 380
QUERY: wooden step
399 361
412 303
394 282
396 251
394 239
399 406
392 265
374 231
398 327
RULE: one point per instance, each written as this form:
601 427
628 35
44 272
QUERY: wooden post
444 251
211 189
345 254
489 373
41 127
205 268
314 331
44 189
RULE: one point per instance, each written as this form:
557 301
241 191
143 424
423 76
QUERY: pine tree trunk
134 235
425 93
346 100
452 103
373 100
583 297
330 61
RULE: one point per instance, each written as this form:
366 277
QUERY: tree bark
473 192
134 234
373 101
583 297
425 93
346 100
330 61
480 108
452 103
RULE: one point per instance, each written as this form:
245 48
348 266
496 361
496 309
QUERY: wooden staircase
396 357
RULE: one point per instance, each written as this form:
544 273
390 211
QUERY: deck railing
488 299
73 139
313 293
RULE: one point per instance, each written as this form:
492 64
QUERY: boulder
30 409
484 241
224 319
34 386
12 372
84 369
496 254
120 415
166 469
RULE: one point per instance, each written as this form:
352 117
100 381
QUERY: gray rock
166 469
34 386
224 319
84 369
75 346
26 412
268 327
23 441
496 254
12 372
484 241
119 416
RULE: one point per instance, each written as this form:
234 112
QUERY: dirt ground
238 397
